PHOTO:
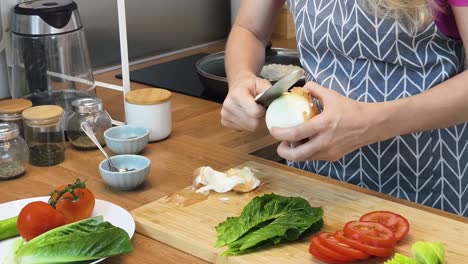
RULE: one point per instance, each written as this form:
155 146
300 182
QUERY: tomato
371 250
37 218
315 242
397 223
370 233
314 252
75 201
328 239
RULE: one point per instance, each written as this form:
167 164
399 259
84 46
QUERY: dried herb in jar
46 155
11 169
81 141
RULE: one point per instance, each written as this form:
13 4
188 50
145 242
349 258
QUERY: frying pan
211 72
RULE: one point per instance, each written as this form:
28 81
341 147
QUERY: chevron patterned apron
371 59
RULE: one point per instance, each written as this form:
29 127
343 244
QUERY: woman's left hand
343 126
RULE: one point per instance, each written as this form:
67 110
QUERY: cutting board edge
165 238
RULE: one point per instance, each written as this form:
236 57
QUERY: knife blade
277 89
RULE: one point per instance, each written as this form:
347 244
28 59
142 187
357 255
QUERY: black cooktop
178 75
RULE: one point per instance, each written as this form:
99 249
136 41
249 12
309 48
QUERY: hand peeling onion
291 109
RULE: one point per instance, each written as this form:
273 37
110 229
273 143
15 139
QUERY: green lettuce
88 239
401 259
423 252
428 252
439 250
267 220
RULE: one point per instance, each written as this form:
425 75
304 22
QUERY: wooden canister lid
148 96
12 106
43 113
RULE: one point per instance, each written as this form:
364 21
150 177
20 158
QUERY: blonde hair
411 14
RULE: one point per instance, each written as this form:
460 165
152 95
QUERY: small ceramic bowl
126 139
128 180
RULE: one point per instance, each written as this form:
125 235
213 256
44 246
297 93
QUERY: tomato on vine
37 218
67 204
75 201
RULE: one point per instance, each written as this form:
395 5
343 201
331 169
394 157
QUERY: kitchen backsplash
154 27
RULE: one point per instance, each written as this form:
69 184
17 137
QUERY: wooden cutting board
191 228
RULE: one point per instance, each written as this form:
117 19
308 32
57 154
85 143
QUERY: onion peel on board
240 180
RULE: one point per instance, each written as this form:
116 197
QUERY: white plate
112 213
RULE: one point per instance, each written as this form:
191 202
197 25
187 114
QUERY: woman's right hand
240 111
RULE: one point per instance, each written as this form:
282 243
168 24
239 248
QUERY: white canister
150 108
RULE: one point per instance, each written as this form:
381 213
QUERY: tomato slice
315 242
371 233
314 252
397 223
328 239
371 250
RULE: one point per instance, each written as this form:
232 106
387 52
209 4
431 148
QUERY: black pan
212 74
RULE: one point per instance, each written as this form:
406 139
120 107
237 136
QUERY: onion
291 109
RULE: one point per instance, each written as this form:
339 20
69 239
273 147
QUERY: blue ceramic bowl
126 139
128 180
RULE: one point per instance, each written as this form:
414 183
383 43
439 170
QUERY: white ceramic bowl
126 139
128 180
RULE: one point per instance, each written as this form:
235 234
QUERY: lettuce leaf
267 220
401 259
88 239
423 252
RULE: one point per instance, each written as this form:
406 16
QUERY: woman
391 84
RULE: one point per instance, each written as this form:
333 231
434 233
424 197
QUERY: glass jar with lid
44 134
10 112
14 152
88 110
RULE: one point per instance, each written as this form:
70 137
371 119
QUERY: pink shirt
445 20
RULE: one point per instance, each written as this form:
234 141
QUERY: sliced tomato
397 223
371 233
314 252
328 239
371 250
324 250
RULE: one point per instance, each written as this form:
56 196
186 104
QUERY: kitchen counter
197 139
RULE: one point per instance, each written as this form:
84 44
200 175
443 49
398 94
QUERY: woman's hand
343 126
240 111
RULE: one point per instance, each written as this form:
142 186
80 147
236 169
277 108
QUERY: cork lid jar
43 115
14 106
148 96
11 109
150 108
44 133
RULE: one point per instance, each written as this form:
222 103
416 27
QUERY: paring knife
277 89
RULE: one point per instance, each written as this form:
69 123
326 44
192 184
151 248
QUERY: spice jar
150 108
88 110
43 130
10 112
14 152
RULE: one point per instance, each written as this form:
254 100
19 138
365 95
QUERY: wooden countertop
197 139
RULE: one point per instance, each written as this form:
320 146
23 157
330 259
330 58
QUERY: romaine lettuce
423 252
401 259
267 220
88 239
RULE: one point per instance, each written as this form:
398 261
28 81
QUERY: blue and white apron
370 59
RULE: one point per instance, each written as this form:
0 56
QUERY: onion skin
291 109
